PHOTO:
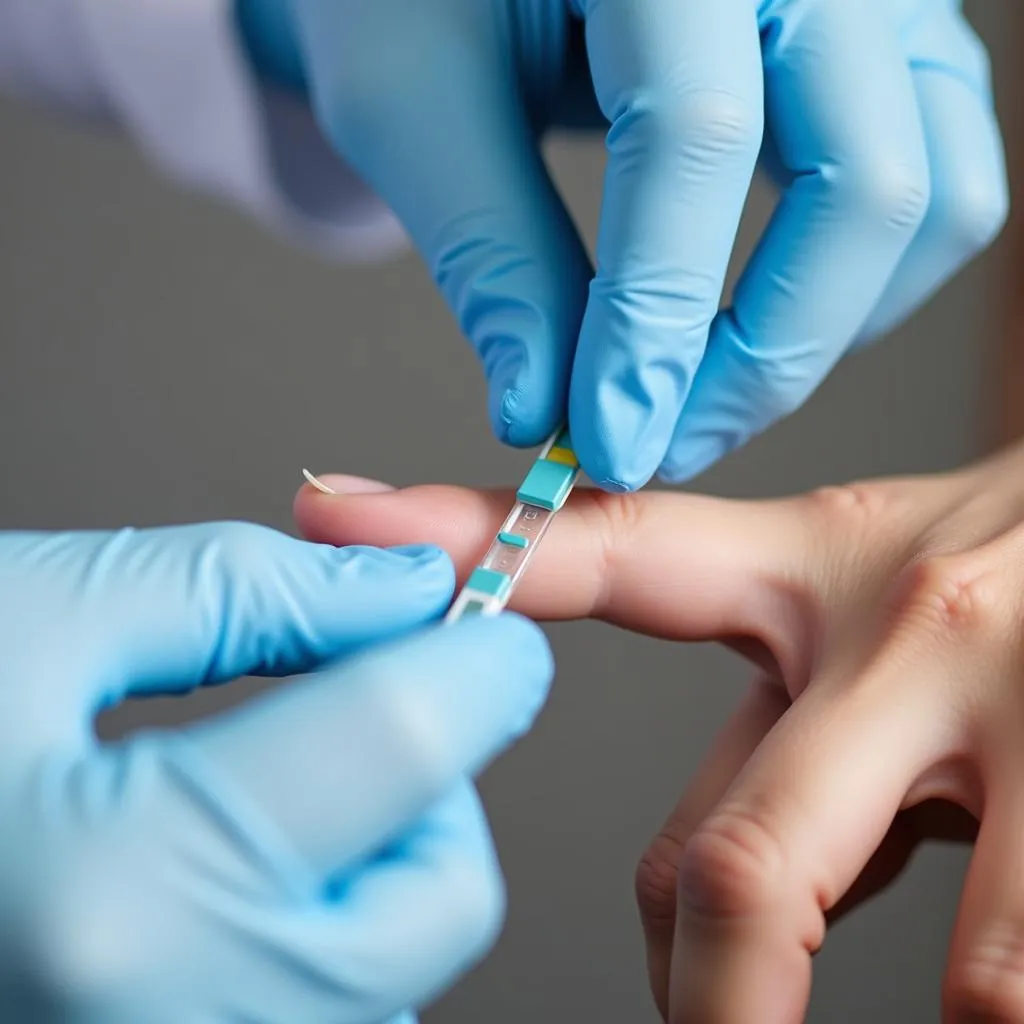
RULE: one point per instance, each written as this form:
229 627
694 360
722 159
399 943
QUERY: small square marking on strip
489 581
547 484
513 539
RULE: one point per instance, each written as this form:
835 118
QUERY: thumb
145 611
366 747
474 195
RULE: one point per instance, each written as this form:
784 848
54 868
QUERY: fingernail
339 483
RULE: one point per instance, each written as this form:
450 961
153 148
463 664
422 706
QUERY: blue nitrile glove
880 132
316 856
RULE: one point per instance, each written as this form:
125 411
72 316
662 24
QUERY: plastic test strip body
541 495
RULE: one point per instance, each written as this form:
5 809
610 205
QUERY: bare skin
885 621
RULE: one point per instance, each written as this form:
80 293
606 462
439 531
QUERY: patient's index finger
670 565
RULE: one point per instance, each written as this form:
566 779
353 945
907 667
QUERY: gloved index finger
681 85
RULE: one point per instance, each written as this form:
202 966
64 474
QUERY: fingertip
520 635
526 631
428 561
524 407
455 519
333 485
409 584
520 656
334 581
340 519
421 554
613 469
516 423
610 453
306 509
622 415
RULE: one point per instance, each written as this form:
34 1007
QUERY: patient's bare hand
886 622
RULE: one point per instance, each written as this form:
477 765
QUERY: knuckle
235 547
720 122
460 922
229 568
414 727
655 882
971 214
697 123
87 945
80 964
847 505
950 597
730 867
894 193
477 907
990 985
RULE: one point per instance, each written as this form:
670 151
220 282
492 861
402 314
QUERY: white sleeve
174 75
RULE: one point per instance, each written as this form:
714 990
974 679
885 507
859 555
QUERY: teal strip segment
513 539
547 484
490 581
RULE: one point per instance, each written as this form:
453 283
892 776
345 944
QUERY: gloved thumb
342 762
164 610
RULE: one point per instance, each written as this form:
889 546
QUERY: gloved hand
318 855
880 133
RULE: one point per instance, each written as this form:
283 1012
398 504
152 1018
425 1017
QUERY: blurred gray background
164 360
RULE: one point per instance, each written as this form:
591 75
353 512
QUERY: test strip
541 495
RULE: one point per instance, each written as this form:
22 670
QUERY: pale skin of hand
885 621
